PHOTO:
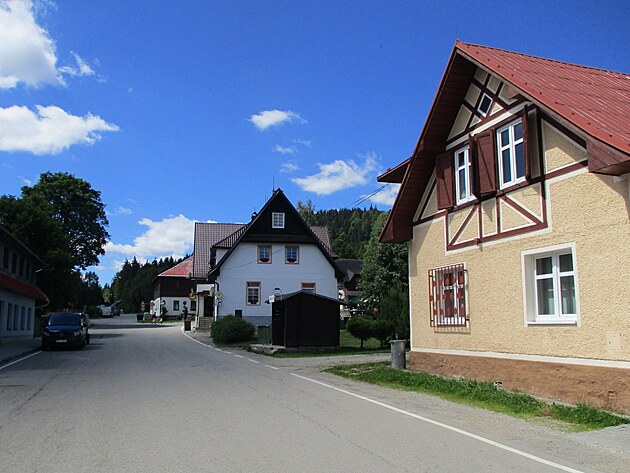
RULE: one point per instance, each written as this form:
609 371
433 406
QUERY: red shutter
485 162
526 145
444 177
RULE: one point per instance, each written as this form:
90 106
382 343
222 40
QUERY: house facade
275 253
174 290
19 294
515 205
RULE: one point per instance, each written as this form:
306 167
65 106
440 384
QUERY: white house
276 252
19 294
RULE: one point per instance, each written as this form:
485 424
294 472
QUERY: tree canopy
349 229
133 284
62 220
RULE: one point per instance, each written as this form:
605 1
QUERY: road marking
253 361
272 367
21 359
239 356
228 352
445 426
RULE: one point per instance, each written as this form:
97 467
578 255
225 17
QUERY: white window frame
511 146
480 110
261 257
255 287
277 220
297 254
467 168
530 291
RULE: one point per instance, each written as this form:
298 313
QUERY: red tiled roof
180 270
595 100
21 287
595 103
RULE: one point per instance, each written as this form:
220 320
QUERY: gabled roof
180 270
352 267
594 103
248 233
206 236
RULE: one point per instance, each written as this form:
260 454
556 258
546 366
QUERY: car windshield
63 319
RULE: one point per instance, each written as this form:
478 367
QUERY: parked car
66 329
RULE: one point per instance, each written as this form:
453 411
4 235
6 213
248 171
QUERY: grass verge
481 394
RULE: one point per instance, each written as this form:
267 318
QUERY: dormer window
277 220
484 104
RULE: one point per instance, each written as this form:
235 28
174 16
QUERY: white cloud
82 68
49 131
27 53
289 166
172 236
387 196
122 211
269 118
306 143
338 175
26 182
285 149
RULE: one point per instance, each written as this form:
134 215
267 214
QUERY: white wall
22 317
243 266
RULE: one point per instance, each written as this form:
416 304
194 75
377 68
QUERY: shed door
277 323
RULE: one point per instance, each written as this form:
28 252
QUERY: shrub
361 328
383 330
230 329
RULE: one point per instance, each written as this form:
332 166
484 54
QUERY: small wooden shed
304 319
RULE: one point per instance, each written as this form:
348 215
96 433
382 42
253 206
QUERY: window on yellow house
447 296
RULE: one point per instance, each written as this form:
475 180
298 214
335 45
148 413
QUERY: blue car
66 329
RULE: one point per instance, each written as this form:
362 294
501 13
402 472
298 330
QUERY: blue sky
193 111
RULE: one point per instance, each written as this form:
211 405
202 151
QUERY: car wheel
44 347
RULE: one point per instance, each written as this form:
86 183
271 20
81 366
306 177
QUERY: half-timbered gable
515 204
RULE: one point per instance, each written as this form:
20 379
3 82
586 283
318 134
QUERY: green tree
78 207
62 220
384 266
394 308
90 292
361 328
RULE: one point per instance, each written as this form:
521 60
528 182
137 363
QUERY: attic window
484 105
277 220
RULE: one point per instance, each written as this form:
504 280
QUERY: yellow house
515 205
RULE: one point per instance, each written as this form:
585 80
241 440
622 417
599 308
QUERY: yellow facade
586 210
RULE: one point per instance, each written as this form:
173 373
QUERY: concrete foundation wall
599 386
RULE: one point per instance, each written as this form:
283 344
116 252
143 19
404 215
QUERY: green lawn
348 345
482 394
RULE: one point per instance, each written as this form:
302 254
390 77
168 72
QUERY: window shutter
485 162
526 145
444 177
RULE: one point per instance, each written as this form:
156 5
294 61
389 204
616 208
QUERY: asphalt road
144 398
